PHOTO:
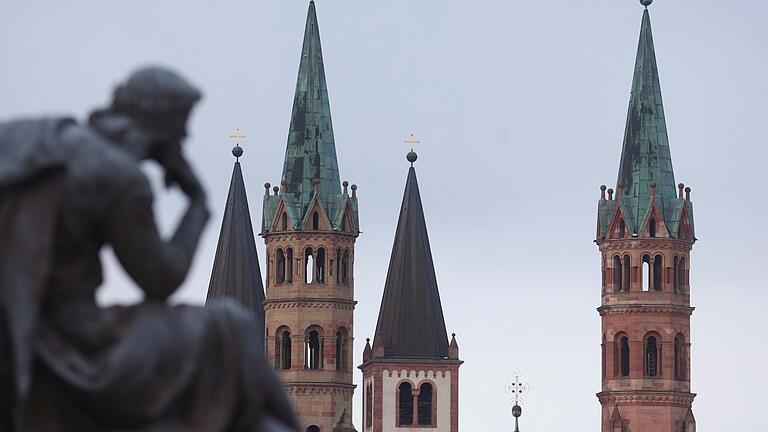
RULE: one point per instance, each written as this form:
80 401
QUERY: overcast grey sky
521 107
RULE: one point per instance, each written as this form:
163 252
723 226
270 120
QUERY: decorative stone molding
319 390
291 236
645 308
676 245
641 397
311 303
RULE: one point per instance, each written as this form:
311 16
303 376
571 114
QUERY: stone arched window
283 349
313 358
652 228
320 266
284 221
405 404
622 228
681 273
647 274
313 428
341 350
315 221
425 404
289 265
658 266
345 268
622 356
339 256
280 267
675 273
625 274
309 265
652 356
369 405
679 362
617 273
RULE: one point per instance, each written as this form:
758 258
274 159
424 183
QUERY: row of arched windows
416 405
652 350
315 267
652 275
652 228
315 222
314 343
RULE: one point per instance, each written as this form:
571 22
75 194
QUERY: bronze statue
66 191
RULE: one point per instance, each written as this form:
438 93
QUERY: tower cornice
645 308
680 245
646 397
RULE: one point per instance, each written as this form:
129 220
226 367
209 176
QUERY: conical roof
411 322
645 156
646 161
236 272
311 150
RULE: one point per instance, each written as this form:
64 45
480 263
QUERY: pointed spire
411 322
311 150
453 348
645 155
236 271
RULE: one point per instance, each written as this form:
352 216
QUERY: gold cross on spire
237 137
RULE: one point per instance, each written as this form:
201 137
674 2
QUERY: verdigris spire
646 193
411 322
645 155
311 150
310 172
236 271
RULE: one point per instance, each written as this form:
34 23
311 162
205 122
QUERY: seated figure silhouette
68 190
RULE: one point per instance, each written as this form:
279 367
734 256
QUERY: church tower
411 374
310 224
645 235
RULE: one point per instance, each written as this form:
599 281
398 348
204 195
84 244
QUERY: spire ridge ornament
646 3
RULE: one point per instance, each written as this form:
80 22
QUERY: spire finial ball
646 3
237 151
412 156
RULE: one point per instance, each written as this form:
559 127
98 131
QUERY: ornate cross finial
518 389
236 136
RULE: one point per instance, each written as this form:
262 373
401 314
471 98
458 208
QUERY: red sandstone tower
310 226
411 375
645 235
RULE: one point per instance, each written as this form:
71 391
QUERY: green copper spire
311 151
645 156
311 171
646 179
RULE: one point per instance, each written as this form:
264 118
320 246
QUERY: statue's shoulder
94 160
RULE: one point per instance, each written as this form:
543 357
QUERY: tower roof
646 177
310 170
645 157
236 271
311 150
411 323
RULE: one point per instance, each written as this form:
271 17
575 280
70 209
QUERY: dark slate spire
236 271
311 150
411 322
645 157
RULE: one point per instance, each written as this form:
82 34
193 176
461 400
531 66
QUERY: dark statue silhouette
66 191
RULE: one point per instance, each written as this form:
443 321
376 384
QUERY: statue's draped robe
65 192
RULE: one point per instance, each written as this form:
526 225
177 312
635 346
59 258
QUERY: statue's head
158 101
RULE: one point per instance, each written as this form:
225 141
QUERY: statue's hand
178 171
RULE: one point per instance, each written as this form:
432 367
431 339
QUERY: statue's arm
157 266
